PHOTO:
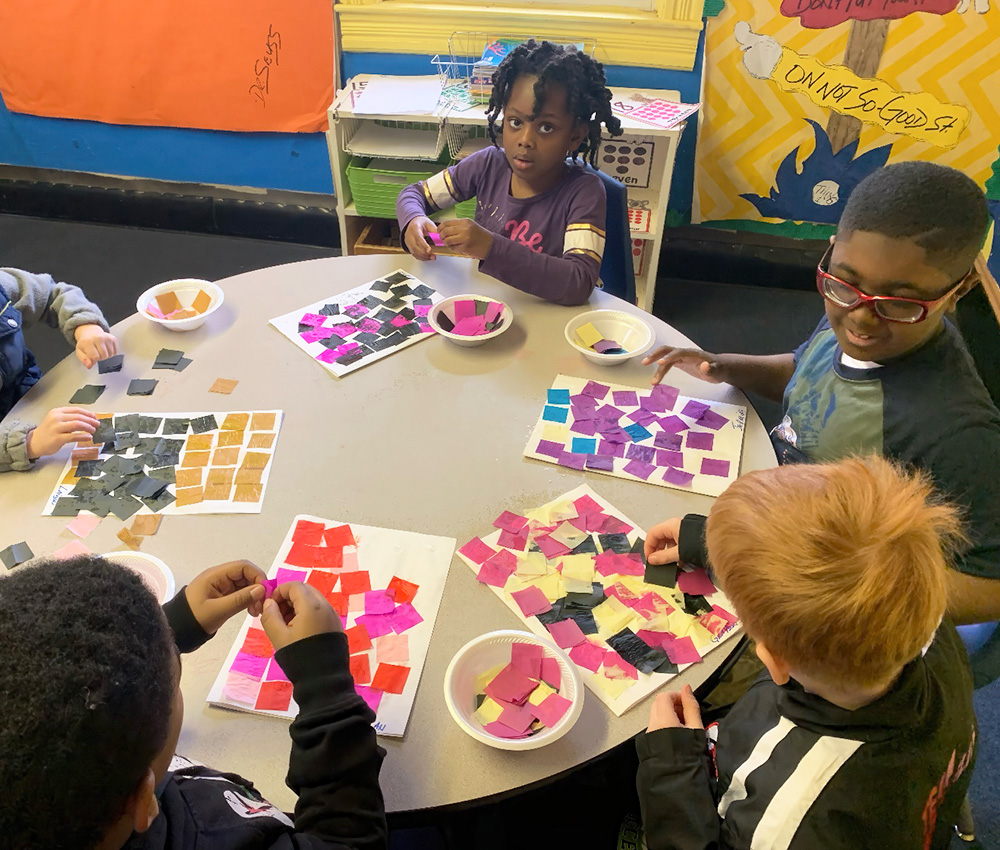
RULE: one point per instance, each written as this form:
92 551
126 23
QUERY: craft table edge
457 439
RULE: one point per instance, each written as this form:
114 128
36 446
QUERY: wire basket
400 139
464 86
465 139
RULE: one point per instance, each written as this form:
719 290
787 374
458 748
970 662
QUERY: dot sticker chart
628 160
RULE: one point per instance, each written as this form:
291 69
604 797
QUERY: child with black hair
885 372
540 214
91 711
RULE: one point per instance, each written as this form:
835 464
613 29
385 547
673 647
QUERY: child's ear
144 807
776 666
580 130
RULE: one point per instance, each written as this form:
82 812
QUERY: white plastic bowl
151 570
488 651
447 307
630 332
187 290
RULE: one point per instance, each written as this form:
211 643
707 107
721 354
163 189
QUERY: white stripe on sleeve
737 789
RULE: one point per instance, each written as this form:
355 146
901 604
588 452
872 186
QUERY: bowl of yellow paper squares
609 337
513 691
180 305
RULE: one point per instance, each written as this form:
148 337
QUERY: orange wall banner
244 65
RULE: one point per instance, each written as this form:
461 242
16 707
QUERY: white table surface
428 440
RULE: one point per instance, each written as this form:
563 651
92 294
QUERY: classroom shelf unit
642 158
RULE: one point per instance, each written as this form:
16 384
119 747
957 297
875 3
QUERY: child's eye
514 123
546 128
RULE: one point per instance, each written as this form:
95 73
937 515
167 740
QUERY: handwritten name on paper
822 14
262 67
835 87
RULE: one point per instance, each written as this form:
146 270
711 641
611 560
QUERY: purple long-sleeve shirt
554 241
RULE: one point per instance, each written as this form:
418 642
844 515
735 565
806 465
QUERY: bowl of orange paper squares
180 305
513 691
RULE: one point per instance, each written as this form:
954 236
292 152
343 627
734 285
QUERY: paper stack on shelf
481 80
393 95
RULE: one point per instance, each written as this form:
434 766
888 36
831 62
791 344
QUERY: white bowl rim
119 555
506 313
534 742
589 352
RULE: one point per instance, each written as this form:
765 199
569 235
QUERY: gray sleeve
40 298
14 446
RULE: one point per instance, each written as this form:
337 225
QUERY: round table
429 439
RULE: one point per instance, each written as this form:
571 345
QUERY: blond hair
837 568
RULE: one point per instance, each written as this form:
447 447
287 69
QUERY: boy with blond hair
862 732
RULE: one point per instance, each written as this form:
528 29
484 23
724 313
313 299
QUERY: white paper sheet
395 95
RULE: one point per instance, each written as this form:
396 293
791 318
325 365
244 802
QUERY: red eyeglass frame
871 300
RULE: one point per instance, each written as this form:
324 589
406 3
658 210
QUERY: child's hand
464 236
297 611
416 237
661 542
675 710
694 361
223 591
60 426
93 343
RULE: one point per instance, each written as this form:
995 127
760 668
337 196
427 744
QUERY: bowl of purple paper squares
470 320
609 337
513 691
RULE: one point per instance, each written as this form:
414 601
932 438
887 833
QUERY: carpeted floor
115 264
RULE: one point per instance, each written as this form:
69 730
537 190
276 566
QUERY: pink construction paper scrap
83 524
678 477
681 650
642 417
327 355
551 548
611 449
615 525
399 321
527 657
604 345
314 319
370 696
587 427
639 469
378 602
510 521
713 420
550 448
71 550
434 238
531 601
249 665
511 685
369 325
701 440
551 673
626 398
572 460
596 390
673 424
404 618
715 466
493 311
422 310
154 311
498 730
275 673
316 334
583 403
587 655
666 440
375 624
425 328
606 563
694 409
586 505
493 574
241 688
518 542
666 457
726 615
270 585
392 649
566 633
355 310
695 582
344 330
613 659
285 575
477 551
470 326
346 348
517 717
464 309
665 395
654 638
631 565
714 623
622 594
551 709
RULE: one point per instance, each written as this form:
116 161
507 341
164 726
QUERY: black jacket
333 767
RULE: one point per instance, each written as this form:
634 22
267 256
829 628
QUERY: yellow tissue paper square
578 568
489 711
555 432
613 688
589 334
550 585
531 564
569 535
487 676
537 696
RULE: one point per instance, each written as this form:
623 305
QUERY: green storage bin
376 184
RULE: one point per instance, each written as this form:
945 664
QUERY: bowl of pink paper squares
470 320
180 305
513 691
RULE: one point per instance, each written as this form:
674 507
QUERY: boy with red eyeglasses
885 372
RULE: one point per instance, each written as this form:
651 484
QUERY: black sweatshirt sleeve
335 759
691 547
188 633
675 790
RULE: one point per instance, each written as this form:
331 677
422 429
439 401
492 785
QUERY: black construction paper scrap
125 441
304 328
667 666
555 614
110 364
160 502
408 313
482 307
331 309
331 342
408 330
146 487
105 431
636 651
401 290
99 505
179 367
585 547
397 277
423 291
175 426
366 338
379 286
584 619
88 394
422 302
147 445
379 344
165 473
696 604
615 543
203 424
492 326
88 468
349 358
371 302
639 545
127 422
480 699
138 386
87 485
395 304
149 424
663 575
394 339
169 356
111 482
653 660
124 508
384 315
66 506
445 322
16 554
585 600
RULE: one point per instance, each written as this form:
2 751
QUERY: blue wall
297 162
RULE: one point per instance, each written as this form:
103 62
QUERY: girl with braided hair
540 211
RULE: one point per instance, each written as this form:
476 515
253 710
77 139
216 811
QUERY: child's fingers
273 622
691 711
668 555
662 351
